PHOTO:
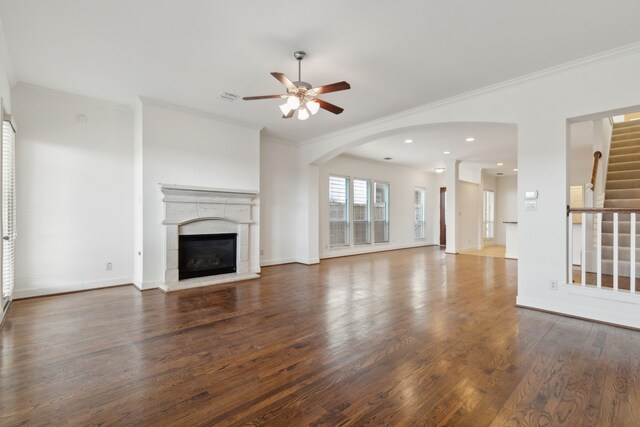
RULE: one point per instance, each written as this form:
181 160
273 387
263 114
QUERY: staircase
622 190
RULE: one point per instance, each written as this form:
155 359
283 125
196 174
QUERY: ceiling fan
301 96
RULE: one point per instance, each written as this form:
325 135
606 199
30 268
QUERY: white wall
506 205
402 182
187 147
469 216
74 193
278 204
541 106
6 72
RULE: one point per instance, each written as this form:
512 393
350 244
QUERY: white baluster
599 249
632 254
583 251
570 255
615 251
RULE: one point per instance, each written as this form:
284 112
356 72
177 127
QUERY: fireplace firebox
202 255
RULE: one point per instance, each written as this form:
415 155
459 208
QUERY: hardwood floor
409 337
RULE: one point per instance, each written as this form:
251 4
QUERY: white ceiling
396 55
493 144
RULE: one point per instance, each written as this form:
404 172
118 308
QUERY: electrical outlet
553 285
109 266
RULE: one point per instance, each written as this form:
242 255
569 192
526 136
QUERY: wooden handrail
596 159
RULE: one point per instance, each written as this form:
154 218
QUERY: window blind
338 211
8 208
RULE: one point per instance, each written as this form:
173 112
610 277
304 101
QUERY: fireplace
215 229
201 255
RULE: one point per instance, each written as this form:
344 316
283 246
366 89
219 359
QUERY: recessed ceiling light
408 141
515 170
446 152
387 158
439 170
470 139
500 164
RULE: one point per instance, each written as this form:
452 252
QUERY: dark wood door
443 216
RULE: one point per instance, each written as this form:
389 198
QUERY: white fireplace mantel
201 210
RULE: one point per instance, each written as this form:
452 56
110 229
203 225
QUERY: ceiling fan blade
288 116
333 87
329 107
285 81
253 98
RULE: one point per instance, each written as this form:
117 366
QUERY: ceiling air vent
226 96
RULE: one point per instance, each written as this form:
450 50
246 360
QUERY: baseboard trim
149 284
571 316
277 261
369 250
617 314
65 289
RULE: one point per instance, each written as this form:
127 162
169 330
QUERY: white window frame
387 211
8 204
419 219
488 224
347 222
369 211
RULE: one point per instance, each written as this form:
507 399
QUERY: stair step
625 142
629 124
633 156
622 193
618 175
623 267
622 203
622 184
627 135
615 151
624 225
626 129
623 253
624 239
624 166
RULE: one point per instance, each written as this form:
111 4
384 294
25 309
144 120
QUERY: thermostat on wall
531 195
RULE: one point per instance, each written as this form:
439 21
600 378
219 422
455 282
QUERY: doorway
443 216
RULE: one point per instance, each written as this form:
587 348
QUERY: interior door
443 216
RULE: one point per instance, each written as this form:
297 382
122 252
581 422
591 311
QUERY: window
381 212
418 220
488 215
8 210
338 211
361 211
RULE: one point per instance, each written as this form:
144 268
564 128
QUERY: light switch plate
531 205
531 195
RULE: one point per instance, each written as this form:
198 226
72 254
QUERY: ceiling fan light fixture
301 96
303 114
313 106
285 108
293 102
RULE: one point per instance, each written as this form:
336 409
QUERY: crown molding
195 112
84 98
628 49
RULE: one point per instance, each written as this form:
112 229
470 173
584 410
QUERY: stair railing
594 171
612 278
